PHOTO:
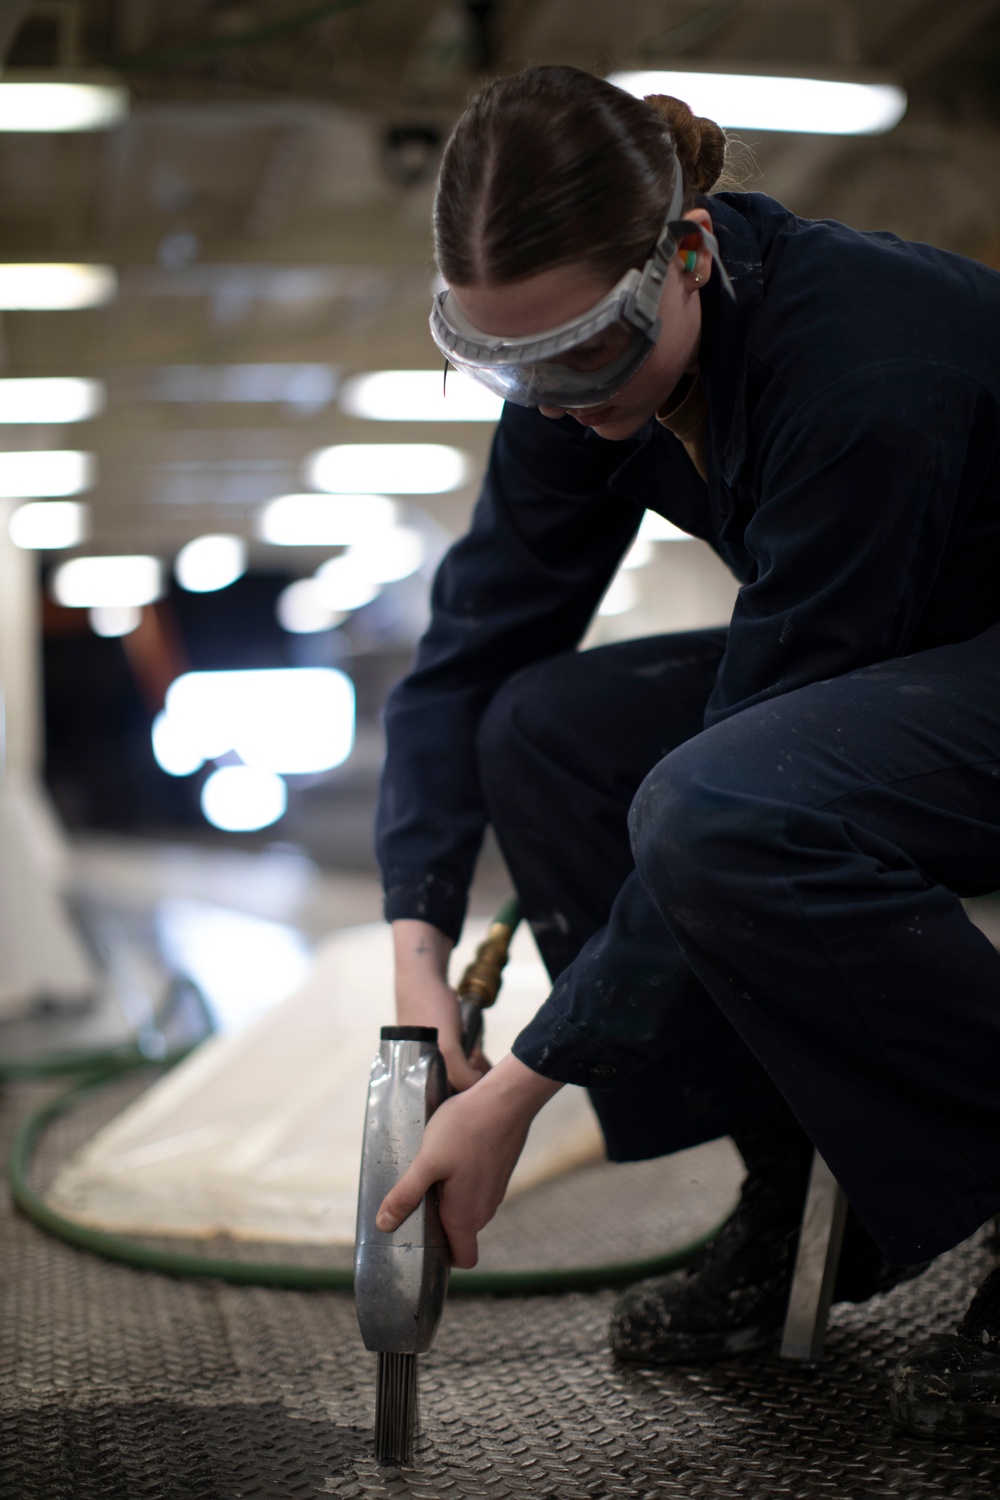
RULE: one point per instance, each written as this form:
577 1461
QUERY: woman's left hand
470 1148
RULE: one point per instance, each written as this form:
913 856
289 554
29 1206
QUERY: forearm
515 1091
425 998
421 953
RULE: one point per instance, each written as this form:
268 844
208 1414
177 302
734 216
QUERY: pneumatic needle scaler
401 1277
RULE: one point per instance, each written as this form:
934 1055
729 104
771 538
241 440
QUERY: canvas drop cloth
258 1135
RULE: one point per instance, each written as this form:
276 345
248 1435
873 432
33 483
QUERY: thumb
405 1198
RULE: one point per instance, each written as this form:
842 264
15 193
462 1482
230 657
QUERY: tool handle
480 984
471 1013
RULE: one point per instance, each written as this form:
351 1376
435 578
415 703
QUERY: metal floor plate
119 1384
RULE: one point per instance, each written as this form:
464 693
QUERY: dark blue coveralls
742 852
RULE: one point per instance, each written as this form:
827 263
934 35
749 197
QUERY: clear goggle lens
587 374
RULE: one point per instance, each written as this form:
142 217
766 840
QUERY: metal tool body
401 1277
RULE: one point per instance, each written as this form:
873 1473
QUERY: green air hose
93 1071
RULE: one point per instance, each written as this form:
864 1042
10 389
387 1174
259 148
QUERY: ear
693 244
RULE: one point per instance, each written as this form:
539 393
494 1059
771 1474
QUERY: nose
552 411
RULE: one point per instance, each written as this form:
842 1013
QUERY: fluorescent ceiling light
305 388
37 105
45 524
114 619
173 750
418 396
289 720
325 520
93 582
656 528
342 585
751 101
210 562
301 611
388 468
37 475
239 799
389 556
64 398
41 285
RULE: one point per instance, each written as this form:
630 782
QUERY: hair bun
700 144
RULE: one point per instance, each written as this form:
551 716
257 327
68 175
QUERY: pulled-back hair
554 165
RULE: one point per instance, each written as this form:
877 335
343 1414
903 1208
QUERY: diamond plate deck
120 1384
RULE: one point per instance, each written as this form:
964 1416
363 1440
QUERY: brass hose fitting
481 980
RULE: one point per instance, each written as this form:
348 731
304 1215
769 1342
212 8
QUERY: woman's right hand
425 998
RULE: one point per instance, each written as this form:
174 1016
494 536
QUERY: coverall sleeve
546 537
860 489
859 494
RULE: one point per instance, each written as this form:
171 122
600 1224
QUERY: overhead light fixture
325 520
388 468
39 475
174 750
62 398
389 556
32 103
240 799
210 562
301 611
45 524
418 396
113 620
304 388
96 582
289 720
342 585
54 285
753 101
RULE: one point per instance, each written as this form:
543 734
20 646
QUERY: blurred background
227 470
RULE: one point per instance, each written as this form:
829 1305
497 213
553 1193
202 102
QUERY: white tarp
258 1135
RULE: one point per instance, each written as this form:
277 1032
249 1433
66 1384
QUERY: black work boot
949 1386
733 1296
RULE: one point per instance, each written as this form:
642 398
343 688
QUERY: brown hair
554 165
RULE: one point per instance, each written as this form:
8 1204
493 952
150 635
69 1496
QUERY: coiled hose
94 1071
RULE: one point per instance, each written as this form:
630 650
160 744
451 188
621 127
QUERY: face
565 292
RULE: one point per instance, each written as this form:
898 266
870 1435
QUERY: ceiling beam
936 32
12 13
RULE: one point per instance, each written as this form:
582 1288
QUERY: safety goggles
588 360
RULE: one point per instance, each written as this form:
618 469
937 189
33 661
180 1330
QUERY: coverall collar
727 329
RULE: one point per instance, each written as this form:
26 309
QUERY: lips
592 418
